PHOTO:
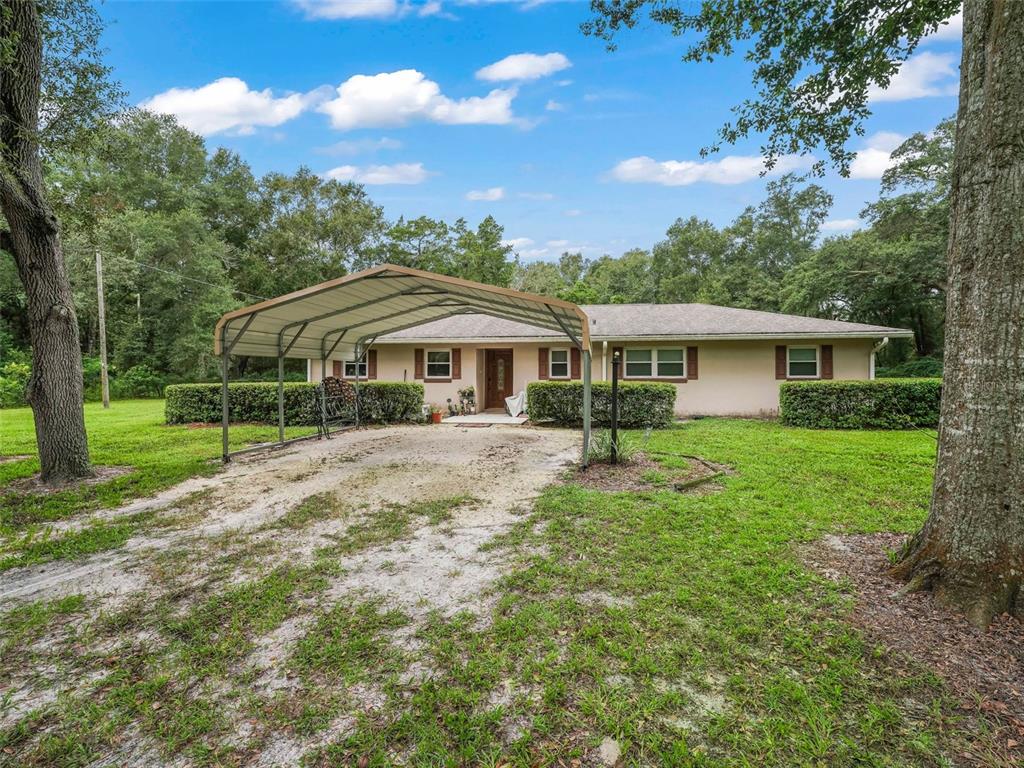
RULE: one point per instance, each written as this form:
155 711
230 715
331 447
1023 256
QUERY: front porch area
487 418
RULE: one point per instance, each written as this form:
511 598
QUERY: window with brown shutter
574 363
371 364
337 369
456 362
780 361
826 361
542 363
417 367
691 362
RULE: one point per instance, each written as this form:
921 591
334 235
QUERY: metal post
224 351
615 409
586 407
280 391
357 358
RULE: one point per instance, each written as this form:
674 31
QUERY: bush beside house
641 404
380 402
879 404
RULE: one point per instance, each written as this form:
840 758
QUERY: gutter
875 350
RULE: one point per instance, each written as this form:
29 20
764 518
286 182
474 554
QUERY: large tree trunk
55 387
971 549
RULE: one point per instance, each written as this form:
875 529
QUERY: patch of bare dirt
34 485
642 473
984 667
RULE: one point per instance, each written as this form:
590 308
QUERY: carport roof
352 310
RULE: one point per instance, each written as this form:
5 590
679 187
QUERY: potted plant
435 414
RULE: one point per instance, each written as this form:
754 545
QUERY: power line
190 279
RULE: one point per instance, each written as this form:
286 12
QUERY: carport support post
224 393
280 391
586 407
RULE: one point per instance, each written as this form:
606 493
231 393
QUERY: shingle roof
632 321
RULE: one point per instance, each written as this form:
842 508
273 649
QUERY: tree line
187 234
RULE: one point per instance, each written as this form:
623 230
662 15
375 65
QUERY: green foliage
887 404
138 381
380 402
641 404
601 447
13 381
916 368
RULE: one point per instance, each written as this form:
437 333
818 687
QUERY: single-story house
722 360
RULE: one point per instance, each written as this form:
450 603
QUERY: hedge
641 404
878 404
380 402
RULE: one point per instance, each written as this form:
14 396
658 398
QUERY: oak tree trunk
55 386
970 552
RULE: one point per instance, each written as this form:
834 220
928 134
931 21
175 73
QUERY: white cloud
492 194
951 29
536 195
360 146
572 212
871 162
920 76
349 9
518 243
732 169
524 66
396 98
399 173
554 106
228 104
557 243
533 253
841 225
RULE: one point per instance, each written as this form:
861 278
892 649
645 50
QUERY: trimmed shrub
879 404
380 402
641 404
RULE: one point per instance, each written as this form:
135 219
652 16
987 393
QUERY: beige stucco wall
734 377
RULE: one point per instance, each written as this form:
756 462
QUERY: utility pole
104 379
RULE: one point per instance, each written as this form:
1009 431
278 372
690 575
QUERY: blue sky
567 145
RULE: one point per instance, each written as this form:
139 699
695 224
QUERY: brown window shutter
542 364
622 359
826 361
780 361
456 362
417 367
371 364
691 362
337 369
574 363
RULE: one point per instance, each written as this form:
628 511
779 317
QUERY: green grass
131 433
684 626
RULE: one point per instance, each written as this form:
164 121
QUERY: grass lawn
681 626
131 433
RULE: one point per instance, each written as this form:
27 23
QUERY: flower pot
435 418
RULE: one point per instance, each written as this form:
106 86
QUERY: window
802 363
558 364
350 369
655 363
638 363
439 363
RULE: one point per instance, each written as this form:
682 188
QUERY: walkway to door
485 419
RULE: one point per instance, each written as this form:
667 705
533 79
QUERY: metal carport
348 313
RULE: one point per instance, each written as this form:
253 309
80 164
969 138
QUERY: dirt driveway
407 508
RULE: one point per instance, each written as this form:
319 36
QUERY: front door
498 375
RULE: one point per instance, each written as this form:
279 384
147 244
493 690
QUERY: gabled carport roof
347 313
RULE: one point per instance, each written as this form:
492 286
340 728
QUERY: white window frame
817 361
363 369
551 363
655 373
426 365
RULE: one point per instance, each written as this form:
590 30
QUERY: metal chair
339 405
